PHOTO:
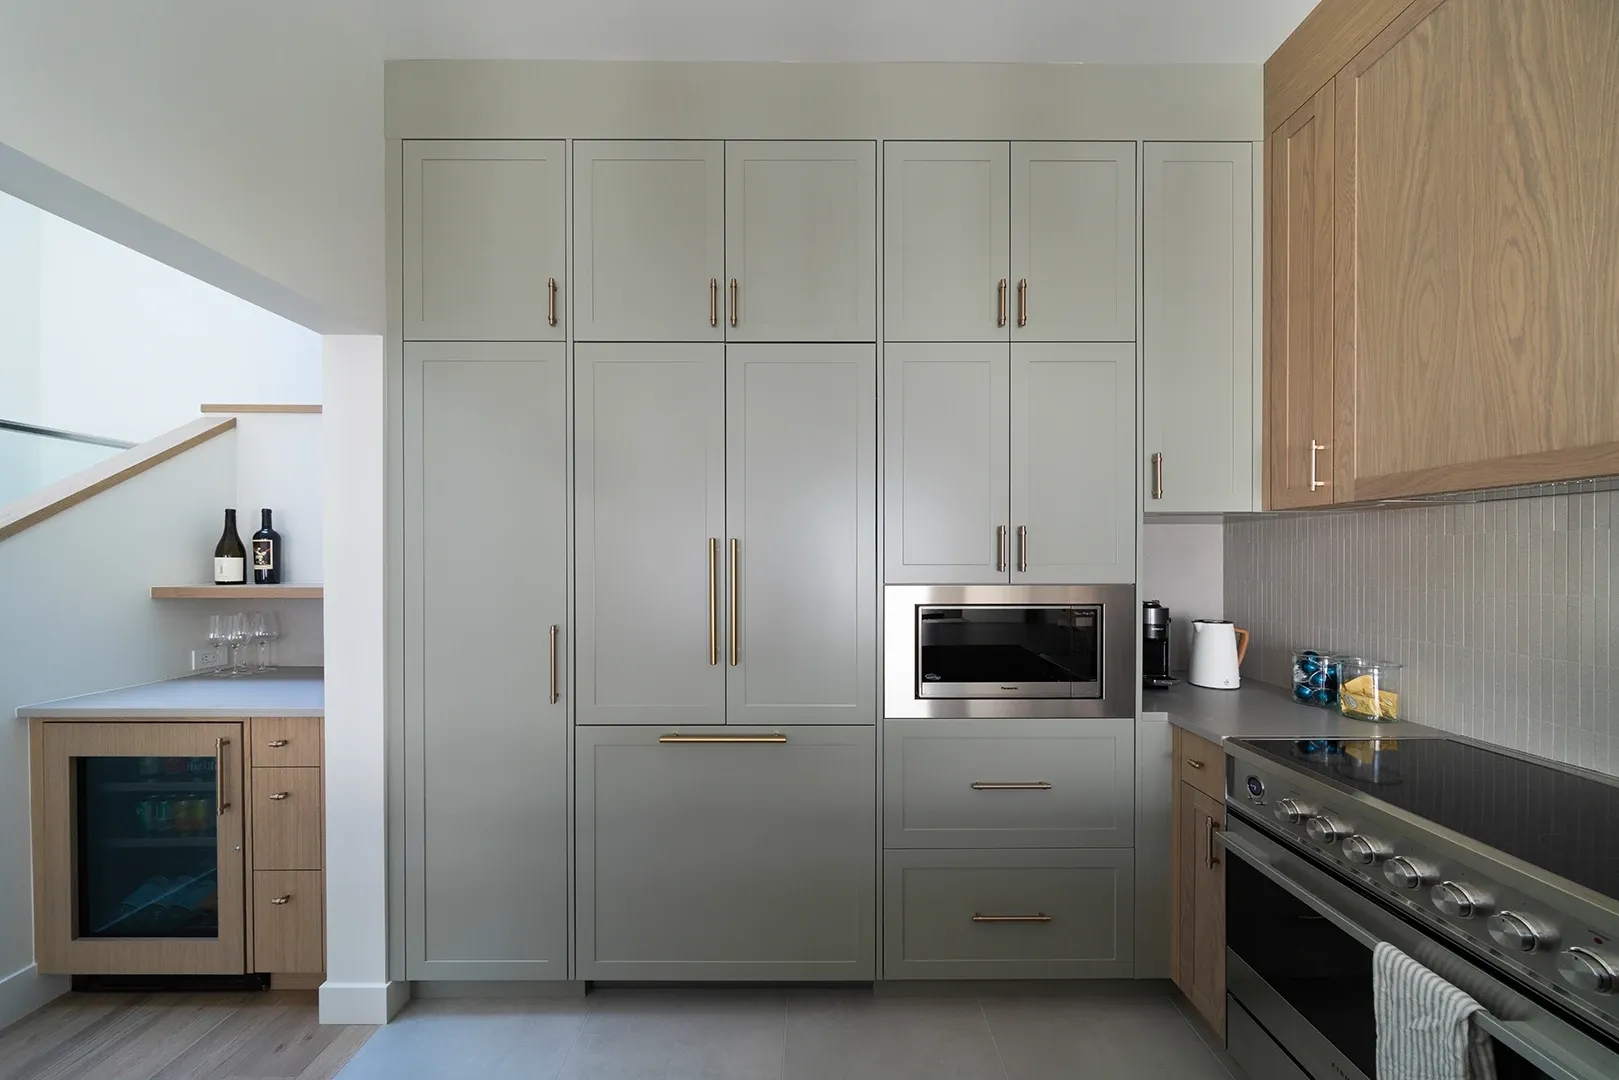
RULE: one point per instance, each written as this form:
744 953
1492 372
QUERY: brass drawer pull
733 302
276 744
1209 861
1158 476
678 738
713 301
220 773
1194 763
278 795
1023 302
736 598
551 290
1000 303
278 900
1038 916
1023 549
713 601
1030 785
555 693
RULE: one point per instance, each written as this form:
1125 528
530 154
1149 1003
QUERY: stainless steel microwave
998 650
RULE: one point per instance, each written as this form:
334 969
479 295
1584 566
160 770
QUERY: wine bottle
230 557
267 553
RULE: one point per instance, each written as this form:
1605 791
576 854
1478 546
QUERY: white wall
19 344
279 465
241 140
1183 568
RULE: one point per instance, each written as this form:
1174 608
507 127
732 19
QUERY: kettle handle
1242 645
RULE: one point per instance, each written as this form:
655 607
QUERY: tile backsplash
1500 611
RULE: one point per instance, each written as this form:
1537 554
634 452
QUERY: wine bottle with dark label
267 553
230 557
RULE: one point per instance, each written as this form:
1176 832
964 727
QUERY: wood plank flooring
273 1035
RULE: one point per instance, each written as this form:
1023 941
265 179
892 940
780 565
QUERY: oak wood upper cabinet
649 240
1197 938
801 241
1298 359
485 240
1477 249
1073 275
1198 338
486 461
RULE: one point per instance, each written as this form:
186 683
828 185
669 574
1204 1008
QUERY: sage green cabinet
649 459
484 244
801 241
736 860
649 240
486 716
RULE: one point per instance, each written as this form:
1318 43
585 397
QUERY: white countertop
287 692
1258 710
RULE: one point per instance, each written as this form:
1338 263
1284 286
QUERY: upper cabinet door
649 240
485 248
945 466
945 241
801 241
1198 339
1298 359
801 506
1073 463
1074 241
649 438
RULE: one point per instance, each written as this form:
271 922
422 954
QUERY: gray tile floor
788 1035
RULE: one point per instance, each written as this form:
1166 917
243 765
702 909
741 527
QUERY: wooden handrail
261 408
52 500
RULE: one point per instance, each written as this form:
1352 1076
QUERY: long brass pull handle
279 900
1000 547
555 695
736 597
1030 785
1023 302
1158 476
1038 916
713 601
220 772
1000 302
1315 448
1194 763
713 301
277 796
1209 861
1023 549
733 302
276 744
551 311
775 738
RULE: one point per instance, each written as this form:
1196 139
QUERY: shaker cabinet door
649 240
486 492
485 240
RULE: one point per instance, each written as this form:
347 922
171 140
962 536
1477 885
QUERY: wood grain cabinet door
485 238
1073 241
1478 249
649 240
1299 416
801 241
1200 906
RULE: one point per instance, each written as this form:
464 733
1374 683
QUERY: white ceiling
1032 31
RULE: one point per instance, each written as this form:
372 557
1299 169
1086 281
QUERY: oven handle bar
1554 1047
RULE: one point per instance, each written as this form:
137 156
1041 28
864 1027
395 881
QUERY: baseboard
469 988
1112 988
25 990
362 1003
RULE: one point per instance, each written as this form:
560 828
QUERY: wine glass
218 635
236 636
263 629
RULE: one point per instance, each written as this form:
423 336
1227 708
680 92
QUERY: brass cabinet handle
276 744
678 738
1315 448
1000 302
736 596
1028 785
1023 302
1158 476
713 301
277 796
554 694
733 302
1023 549
1209 861
220 773
1000 547
713 601
1038 916
1194 763
279 900
551 312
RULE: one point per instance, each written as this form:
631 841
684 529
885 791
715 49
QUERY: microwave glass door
1008 651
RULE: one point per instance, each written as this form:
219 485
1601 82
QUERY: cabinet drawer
1009 914
286 740
1200 763
1009 783
286 819
288 917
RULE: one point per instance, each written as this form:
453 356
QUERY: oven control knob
1404 872
1325 829
1365 850
1293 812
1460 901
1589 971
1523 933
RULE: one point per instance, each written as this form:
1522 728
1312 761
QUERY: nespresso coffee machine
1155 645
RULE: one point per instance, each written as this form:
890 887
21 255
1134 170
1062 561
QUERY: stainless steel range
1496 870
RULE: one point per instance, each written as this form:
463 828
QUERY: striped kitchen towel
1425 1027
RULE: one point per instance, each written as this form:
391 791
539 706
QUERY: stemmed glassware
235 633
263 628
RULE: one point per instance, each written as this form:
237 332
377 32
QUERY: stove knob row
1325 829
1293 812
1365 850
1404 872
1460 901
1522 933
1588 970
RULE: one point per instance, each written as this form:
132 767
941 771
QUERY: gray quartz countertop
287 692
1258 710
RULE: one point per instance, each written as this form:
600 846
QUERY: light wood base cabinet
1197 875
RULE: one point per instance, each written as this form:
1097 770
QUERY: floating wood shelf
239 592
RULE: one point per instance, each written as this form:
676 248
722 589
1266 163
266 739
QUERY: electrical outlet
207 659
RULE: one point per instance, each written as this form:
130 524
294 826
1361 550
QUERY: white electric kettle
1217 651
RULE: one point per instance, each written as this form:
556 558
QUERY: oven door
1004 651
1299 946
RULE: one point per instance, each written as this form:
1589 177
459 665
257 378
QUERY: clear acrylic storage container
1315 678
1369 689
